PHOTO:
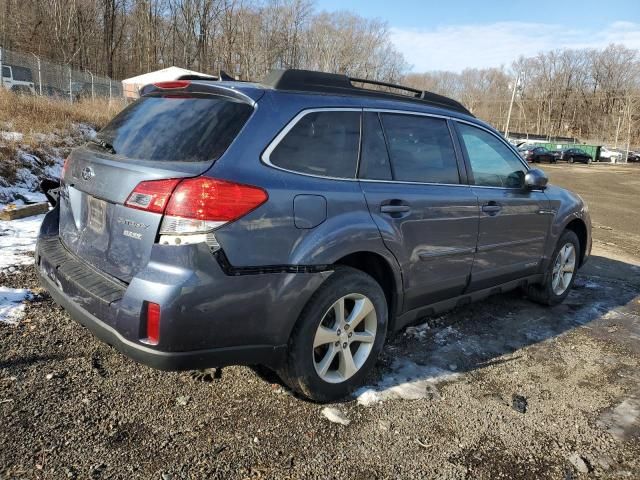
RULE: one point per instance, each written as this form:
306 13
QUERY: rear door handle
491 208
395 208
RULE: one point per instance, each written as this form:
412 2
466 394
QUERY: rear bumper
208 318
215 357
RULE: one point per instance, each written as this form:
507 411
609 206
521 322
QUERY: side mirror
535 179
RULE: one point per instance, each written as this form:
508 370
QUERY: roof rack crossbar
323 82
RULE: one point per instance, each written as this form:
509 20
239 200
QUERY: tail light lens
193 207
152 196
172 84
65 166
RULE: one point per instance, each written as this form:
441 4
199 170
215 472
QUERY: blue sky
453 35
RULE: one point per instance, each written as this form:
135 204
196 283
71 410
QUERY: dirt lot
500 389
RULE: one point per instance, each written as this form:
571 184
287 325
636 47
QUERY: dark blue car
296 223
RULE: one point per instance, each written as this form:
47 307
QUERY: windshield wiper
105 145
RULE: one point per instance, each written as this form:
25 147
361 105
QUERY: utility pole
626 158
513 97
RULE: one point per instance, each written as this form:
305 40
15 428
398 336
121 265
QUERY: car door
416 191
514 221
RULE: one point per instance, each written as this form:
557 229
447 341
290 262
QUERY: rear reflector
172 85
153 323
65 166
152 196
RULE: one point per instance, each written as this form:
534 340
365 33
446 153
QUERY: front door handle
395 208
491 208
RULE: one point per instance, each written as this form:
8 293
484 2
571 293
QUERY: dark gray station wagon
295 224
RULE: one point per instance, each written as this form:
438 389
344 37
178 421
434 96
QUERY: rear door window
321 143
187 129
420 148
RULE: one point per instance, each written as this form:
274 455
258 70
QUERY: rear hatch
168 134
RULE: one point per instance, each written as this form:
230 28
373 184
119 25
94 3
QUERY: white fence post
70 85
39 72
1 80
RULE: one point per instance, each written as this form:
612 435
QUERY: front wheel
338 337
561 272
571 160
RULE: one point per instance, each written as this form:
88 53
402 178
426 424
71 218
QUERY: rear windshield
170 129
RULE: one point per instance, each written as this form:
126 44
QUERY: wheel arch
578 227
383 272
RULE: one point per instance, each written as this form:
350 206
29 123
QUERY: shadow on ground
478 335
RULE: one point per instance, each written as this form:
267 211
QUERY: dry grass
41 115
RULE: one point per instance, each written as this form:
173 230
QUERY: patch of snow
17 240
11 136
12 304
336 416
408 381
623 421
419 331
86 131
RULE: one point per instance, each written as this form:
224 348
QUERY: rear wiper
105 145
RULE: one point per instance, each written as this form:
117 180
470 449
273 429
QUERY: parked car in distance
524 150
608 154
633 157
17 79
541 154
295 224
572 155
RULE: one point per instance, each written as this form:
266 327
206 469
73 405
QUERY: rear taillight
65 166
194 207
152 196
153 323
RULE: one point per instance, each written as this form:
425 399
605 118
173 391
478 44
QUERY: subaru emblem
87 173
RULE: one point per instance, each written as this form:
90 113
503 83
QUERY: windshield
188 129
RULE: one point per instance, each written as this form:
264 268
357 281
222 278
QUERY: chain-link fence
30 74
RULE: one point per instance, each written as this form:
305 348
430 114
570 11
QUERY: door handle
491 208
395 208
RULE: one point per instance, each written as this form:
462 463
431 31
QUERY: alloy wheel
345 337
563 268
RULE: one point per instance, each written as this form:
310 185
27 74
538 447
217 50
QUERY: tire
589 160
571 160
304 364
546 292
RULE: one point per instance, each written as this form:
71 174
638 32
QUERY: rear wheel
561 272
338 337
589 160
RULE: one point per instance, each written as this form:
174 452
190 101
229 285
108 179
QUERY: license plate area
97 214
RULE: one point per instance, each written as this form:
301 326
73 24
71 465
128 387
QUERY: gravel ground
500 389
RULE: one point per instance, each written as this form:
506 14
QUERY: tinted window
176 129
420 148
22 74
374 161
493 164
321 143
6 72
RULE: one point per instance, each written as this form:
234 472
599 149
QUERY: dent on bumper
207 318
216 357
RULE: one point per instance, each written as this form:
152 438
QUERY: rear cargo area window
191 129
321 143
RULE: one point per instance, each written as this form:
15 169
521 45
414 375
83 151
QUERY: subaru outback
297 223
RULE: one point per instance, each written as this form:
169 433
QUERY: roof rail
322 82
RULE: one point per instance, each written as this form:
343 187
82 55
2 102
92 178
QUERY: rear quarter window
321 143
188 129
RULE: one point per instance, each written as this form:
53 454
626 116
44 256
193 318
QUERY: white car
609 154
18 79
